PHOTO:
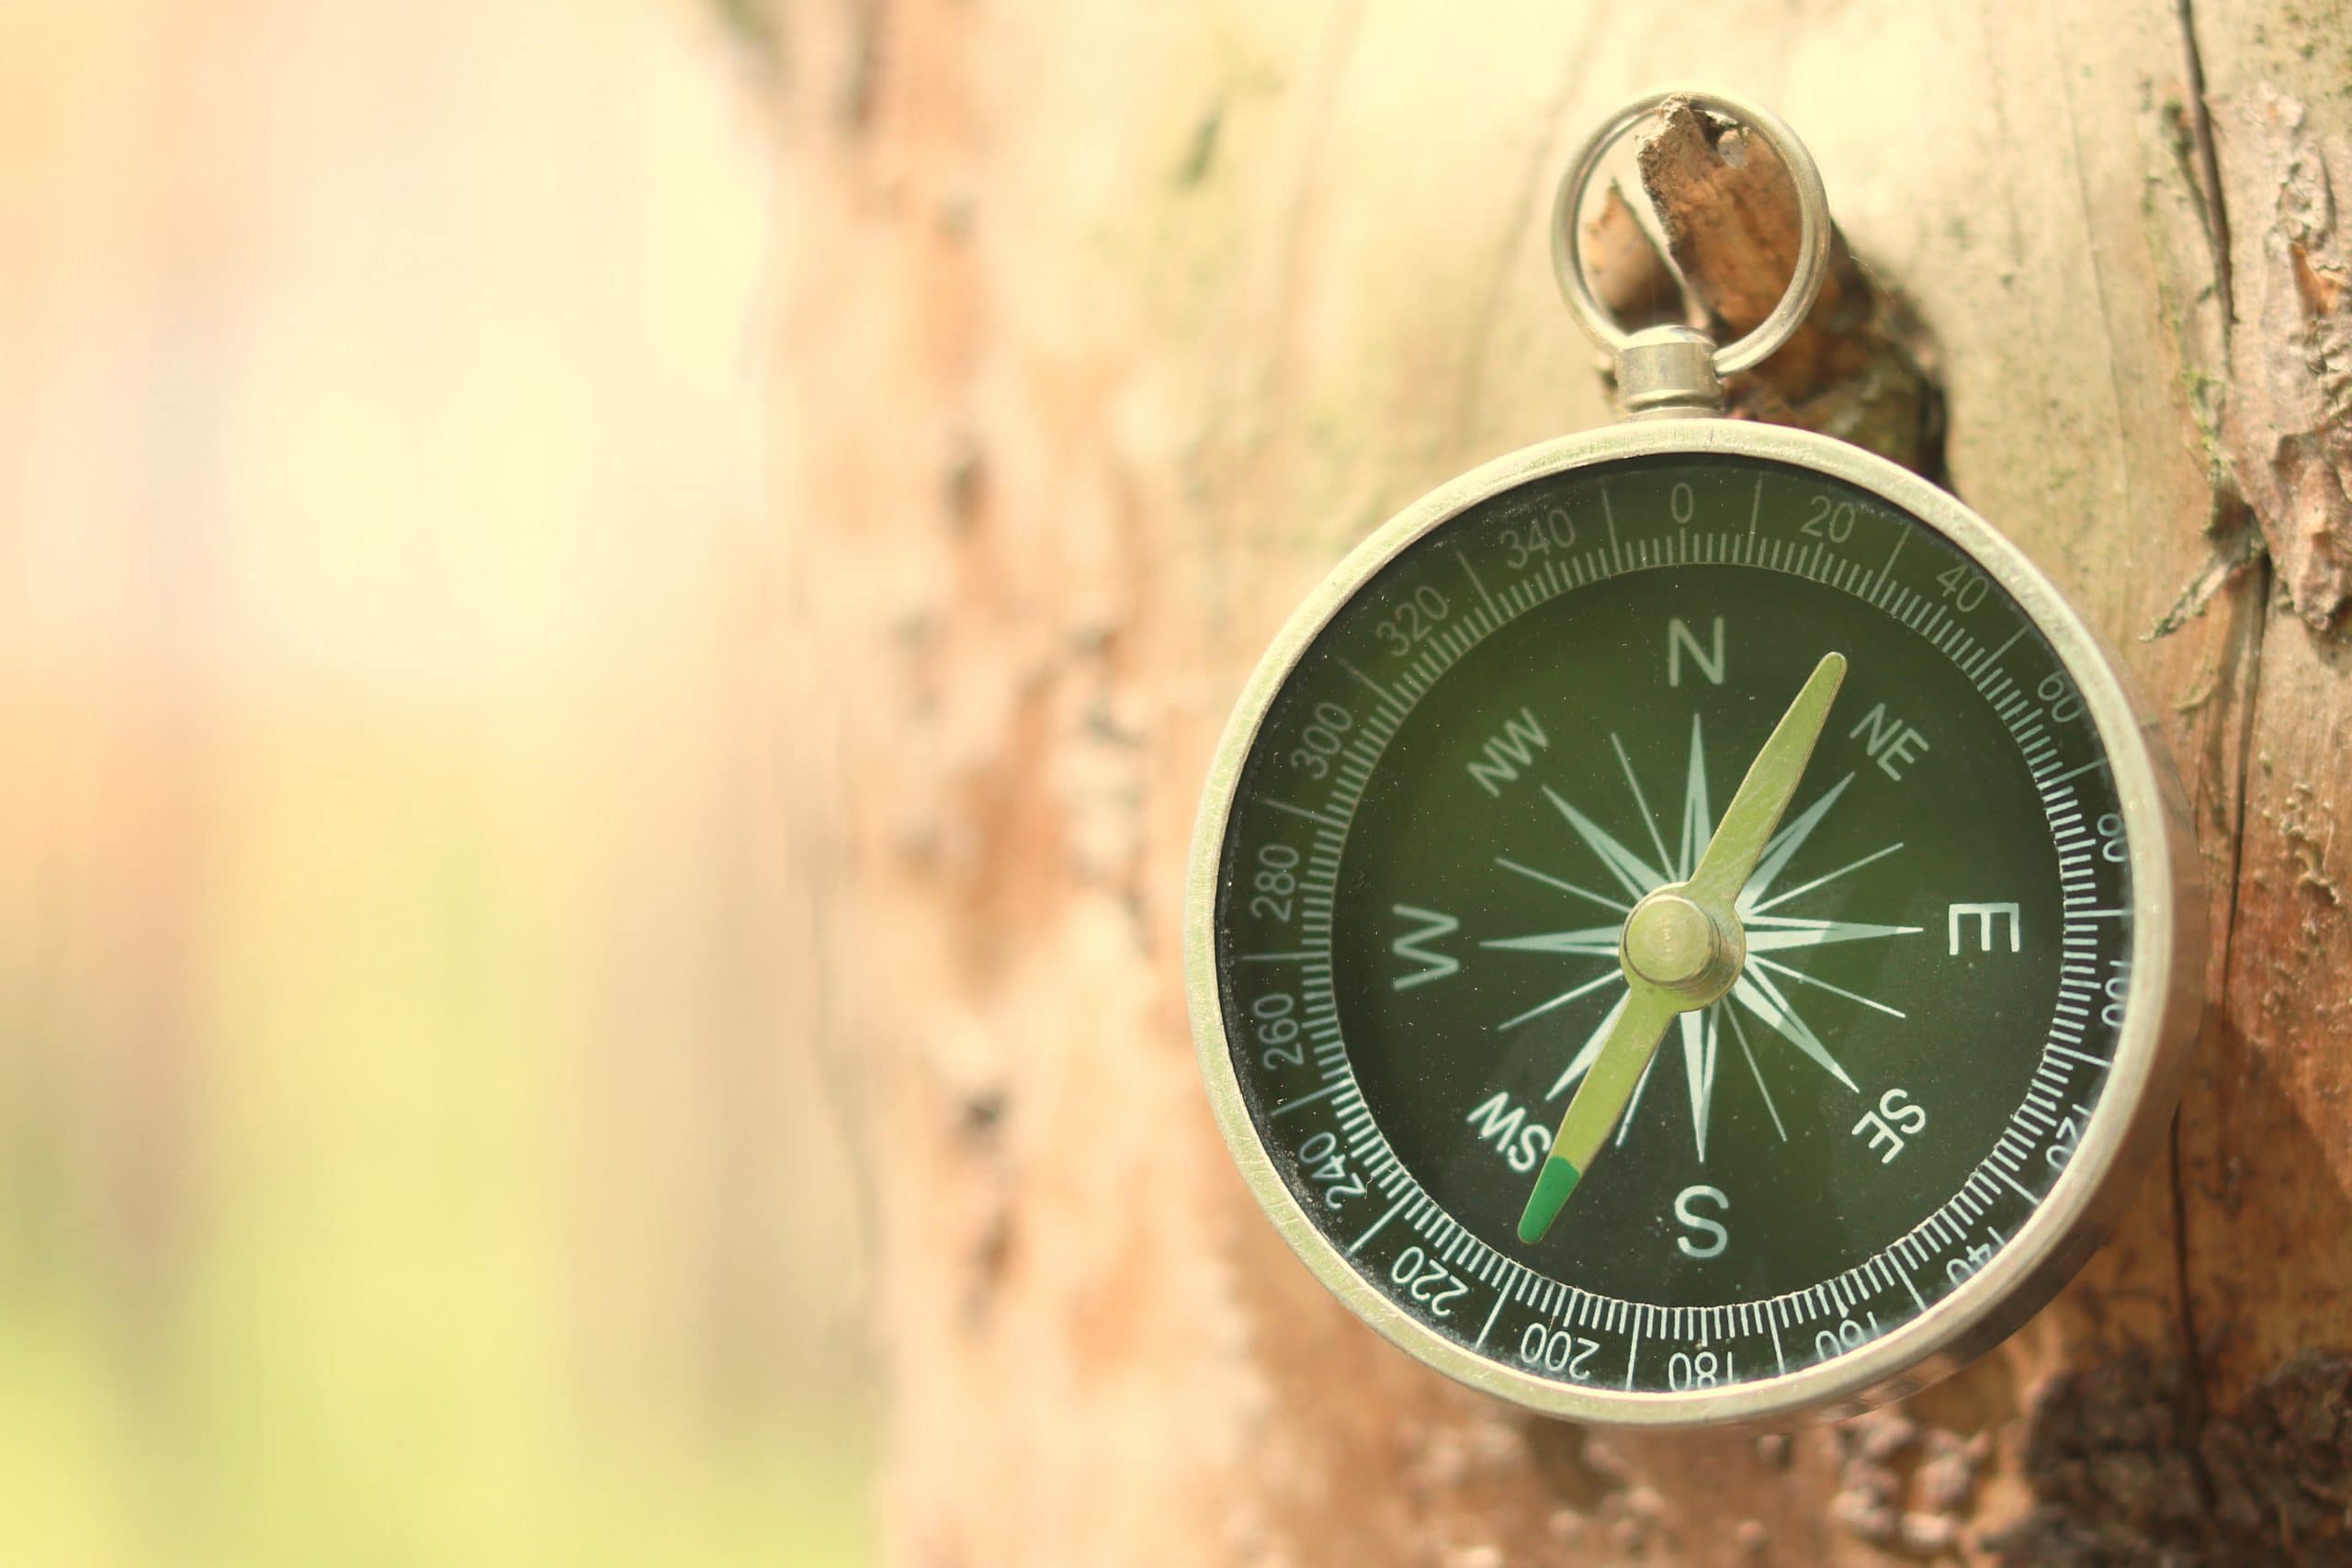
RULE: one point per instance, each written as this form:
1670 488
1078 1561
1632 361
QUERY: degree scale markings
1334 815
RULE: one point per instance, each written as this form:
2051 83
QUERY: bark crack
2239 542
2215 209
2209 164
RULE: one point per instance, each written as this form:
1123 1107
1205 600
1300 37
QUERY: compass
1685 925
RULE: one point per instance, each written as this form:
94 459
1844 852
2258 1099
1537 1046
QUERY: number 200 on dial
1953 990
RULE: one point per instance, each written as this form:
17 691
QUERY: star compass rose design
1598 870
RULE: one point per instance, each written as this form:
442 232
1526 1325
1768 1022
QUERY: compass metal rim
2152 1053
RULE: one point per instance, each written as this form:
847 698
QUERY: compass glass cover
1529 720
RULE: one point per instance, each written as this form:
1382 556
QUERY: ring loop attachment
1682 367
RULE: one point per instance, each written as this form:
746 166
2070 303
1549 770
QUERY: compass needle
1694 765
1588 1053
1783 846
1731 856
1624 1054
1681 950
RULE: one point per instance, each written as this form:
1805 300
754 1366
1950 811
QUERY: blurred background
403 1126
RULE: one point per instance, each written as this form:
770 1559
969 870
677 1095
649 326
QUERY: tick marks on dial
1325 1092
1475 583
1317 817
1375 687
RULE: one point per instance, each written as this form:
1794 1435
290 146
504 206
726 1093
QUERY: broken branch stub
1854 366
1632 279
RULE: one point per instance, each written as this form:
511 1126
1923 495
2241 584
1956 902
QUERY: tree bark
1106 330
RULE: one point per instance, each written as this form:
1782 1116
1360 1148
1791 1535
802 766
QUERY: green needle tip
1552 1189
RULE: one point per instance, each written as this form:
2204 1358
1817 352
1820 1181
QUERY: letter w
1414 944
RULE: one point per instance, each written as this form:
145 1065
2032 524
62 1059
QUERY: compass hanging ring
1672 369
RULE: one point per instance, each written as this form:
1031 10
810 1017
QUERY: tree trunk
1107 330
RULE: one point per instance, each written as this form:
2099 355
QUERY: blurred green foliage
412 1150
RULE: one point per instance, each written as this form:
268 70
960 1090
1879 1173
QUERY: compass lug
1668 372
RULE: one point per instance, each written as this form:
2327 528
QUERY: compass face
1533 718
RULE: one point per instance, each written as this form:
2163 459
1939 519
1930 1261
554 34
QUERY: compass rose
1763 991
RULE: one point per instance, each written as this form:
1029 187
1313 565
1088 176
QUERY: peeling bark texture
2289 421
1104 331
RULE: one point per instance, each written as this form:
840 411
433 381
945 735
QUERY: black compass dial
1533 719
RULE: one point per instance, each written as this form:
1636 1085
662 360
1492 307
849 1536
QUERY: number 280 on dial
1686 926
